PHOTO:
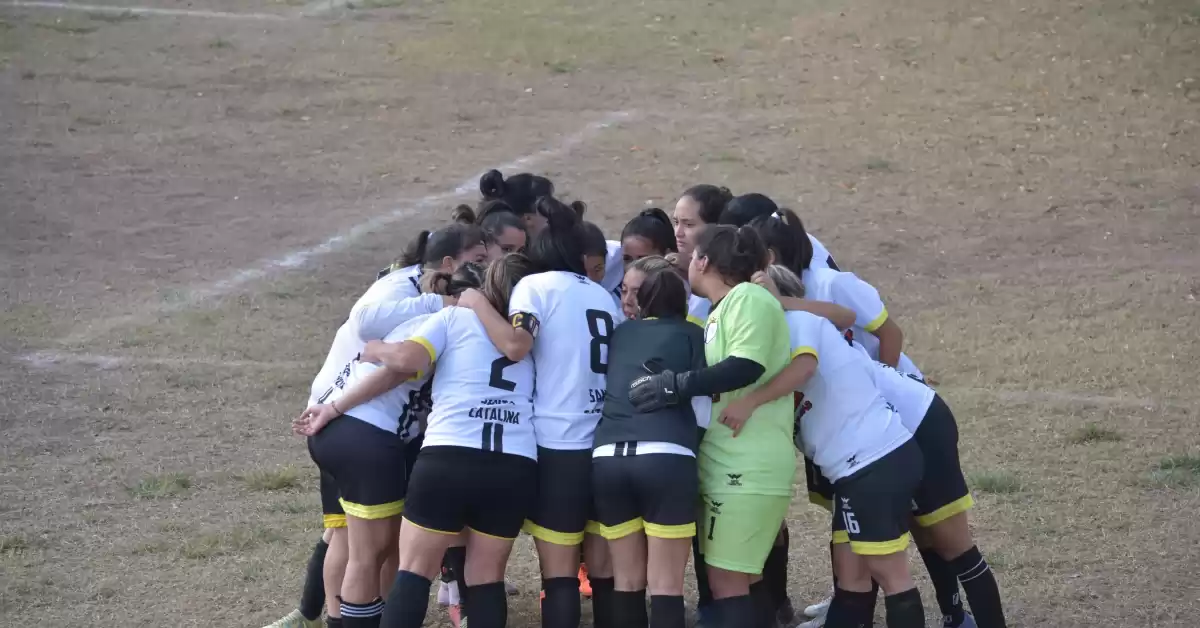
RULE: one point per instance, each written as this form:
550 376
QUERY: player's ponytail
519 191
560 246
735 254
467 275
414 252
784 234
502 276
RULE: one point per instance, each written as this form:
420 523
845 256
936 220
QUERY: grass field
1020 179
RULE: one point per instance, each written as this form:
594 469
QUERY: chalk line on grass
321 7
52 359
99 8
296 259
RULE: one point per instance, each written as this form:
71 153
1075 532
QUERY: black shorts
453 488
943 492
564 496
657 493
820 489
331 508
366 464
872 507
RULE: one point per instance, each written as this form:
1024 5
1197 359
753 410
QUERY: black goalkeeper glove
658 390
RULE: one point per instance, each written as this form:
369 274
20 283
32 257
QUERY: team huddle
629 404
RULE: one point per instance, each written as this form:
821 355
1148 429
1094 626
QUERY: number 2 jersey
389 302
571 319
843 421
397 410
481 399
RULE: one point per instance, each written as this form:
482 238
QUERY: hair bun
491 184
463 214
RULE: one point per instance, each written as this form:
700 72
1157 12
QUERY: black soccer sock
904 610
312 597
454 565
979 583
764 605
629 609
850 609
945 585
667 611
602 602
365 615
775 570
407 602
333 622
560 609
489 606
703 591
732 612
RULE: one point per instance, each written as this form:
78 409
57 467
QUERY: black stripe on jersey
325 395
632 449
493 437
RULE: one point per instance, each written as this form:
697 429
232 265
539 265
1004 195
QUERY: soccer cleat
967 622
813 623
820 609
705 617
585 585
296 620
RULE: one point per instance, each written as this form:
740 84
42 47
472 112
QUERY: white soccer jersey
576 318
820 256
698 310
847 290
388 303
910 396
396 410
481 399
614 271
844 421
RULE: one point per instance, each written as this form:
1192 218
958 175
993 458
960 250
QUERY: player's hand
761 278
735 415
654 392
314 419
474 299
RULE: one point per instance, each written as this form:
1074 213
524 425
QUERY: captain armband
526 321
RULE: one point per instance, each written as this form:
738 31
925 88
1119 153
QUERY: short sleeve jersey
481 399
396 410
910 396
843 423
387 303
573 318
614 271
748 323
847 290
820 257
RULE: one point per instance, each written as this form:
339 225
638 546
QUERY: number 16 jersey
481 399
572 321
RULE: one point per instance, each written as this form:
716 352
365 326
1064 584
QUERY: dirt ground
1020 179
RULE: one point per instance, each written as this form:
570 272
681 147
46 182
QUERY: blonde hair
502 276
788 283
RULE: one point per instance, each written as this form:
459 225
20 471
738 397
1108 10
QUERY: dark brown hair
735 253
502 276
664 292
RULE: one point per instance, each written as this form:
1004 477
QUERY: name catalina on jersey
493 412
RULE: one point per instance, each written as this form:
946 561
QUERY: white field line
296 259
99 8
321 7
52 359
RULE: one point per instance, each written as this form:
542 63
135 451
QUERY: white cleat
818 611
813 623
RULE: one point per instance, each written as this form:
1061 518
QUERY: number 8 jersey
571 319
481 399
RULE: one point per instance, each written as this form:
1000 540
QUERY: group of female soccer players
628 404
